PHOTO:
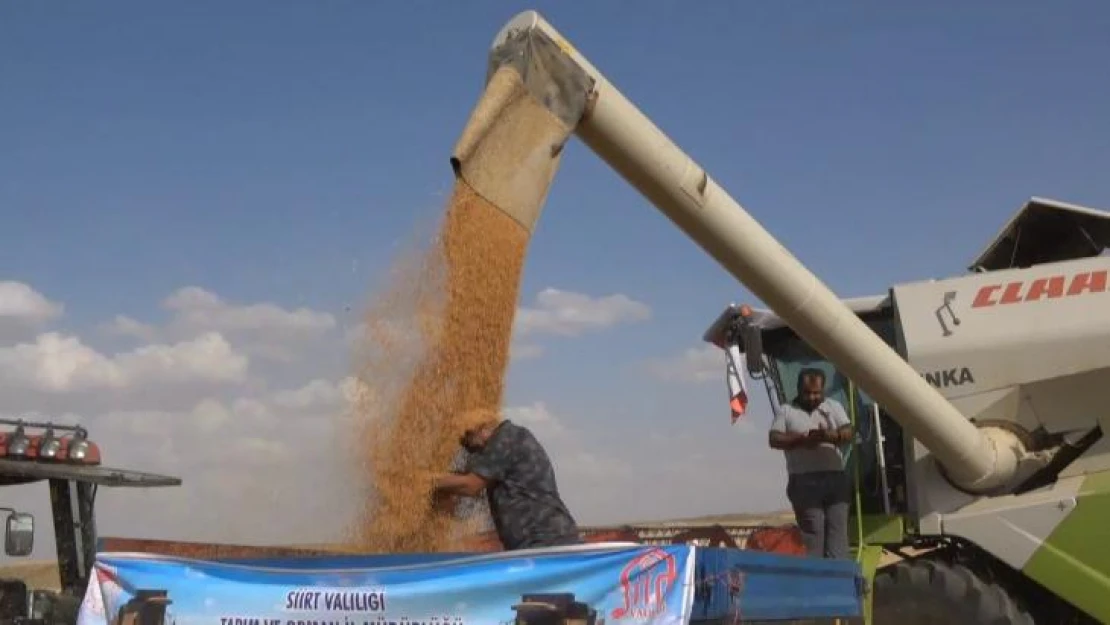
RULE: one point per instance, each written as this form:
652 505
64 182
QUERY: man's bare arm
468 484
785 440
841 435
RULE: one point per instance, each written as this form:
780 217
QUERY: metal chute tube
643 155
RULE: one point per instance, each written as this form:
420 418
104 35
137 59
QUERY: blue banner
596 584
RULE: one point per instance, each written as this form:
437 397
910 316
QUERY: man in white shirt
810 431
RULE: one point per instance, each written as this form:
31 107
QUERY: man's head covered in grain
478 424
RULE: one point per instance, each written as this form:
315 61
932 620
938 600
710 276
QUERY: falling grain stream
437 338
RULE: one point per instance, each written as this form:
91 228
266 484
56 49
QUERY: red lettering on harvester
1093 282
1046 287
1012 294
1041 289
983 297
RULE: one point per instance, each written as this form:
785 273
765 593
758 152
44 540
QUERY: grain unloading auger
990 492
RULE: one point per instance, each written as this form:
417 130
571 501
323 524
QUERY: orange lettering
983 297
1045 287
1093 282
1042 288
1012 294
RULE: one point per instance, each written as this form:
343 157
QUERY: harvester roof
1041 231
717 334
1045 231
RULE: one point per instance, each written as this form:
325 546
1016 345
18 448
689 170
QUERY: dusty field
37 574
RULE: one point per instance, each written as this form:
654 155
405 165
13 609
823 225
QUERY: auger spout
548 72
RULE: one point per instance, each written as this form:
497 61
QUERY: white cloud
318 393
704 363
569 314
555 312
196 309
21 302
122 325
263 330
535 416
23 310
58 363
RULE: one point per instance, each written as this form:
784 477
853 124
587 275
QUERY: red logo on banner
644 585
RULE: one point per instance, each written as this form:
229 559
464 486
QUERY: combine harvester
979 402
985 494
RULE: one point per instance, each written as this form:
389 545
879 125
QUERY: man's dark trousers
821 502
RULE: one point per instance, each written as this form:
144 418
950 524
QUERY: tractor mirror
19 536
753 348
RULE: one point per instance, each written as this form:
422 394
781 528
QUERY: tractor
69 462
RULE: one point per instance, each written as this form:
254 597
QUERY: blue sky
283 151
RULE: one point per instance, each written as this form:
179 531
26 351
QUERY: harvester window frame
881 322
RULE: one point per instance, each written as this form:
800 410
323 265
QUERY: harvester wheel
930 591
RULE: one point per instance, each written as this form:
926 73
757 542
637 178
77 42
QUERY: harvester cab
773 355
70 463
1020 344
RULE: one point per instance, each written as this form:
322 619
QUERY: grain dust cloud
437 339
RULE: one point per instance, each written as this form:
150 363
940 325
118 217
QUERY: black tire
928 591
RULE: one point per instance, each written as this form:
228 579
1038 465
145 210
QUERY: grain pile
437 339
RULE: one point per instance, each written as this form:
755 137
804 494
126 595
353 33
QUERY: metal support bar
880 449
86 499
65 537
